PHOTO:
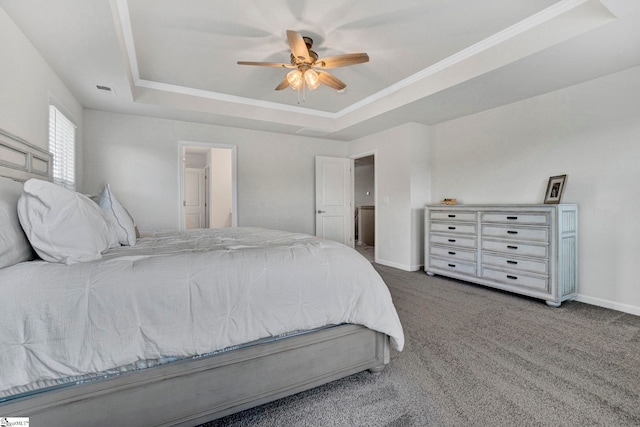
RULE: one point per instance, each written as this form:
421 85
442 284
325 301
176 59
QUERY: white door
194 198
334 207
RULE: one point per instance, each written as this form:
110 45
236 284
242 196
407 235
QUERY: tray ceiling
429 60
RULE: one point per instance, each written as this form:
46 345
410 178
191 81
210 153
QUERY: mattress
176 295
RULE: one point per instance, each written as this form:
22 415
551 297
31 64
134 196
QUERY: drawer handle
511 247
452 265
512 262
452 240
452 228
511 232
511 277
451 216
451 253
512 217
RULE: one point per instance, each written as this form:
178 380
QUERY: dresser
527 249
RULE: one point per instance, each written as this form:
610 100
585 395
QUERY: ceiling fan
308 70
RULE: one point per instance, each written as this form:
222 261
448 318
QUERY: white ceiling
431 60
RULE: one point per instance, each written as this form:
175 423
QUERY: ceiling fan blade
298 46
266 64
342 60
331 81
283 84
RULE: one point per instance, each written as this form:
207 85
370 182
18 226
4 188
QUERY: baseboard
399 266
625 308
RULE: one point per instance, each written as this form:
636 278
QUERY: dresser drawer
516 279
453 253
534 266
516 248
451 240
454 266
538 218
516 233
448 227
452 216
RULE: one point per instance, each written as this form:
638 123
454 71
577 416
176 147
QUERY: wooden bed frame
194 391
20 160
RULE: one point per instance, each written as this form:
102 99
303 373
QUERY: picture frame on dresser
555 188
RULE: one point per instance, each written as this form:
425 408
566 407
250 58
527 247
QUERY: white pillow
117 216
14 246
62 225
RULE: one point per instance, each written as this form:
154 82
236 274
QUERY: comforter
179 294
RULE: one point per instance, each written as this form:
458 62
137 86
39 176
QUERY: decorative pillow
14 246
62 225
117 216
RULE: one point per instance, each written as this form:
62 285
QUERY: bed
178 328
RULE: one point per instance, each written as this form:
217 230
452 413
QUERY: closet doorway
365 205
208 196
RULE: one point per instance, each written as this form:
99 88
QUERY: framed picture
555 189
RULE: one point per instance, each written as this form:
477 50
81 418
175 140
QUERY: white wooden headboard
21 161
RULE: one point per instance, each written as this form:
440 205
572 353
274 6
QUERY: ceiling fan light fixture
311 79
295 79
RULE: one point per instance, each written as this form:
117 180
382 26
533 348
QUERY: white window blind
62 144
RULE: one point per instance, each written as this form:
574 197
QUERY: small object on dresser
555 187
449 202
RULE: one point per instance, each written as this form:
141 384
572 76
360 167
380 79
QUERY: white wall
421 170
27 83
402 178
591 132
140 156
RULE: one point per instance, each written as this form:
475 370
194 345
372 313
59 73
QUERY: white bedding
180 294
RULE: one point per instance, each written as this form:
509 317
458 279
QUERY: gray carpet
480 357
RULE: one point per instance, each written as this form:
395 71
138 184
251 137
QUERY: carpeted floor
480 357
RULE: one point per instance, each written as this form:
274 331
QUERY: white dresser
526 249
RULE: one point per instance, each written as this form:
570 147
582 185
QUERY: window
62 144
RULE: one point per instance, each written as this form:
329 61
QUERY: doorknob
319 211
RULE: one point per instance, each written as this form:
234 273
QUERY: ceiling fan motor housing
312 54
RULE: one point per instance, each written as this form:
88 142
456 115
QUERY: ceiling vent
105 89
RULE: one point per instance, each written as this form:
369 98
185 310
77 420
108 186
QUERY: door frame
354 157
234 179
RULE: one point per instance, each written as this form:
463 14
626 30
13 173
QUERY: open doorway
208 185
365 205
